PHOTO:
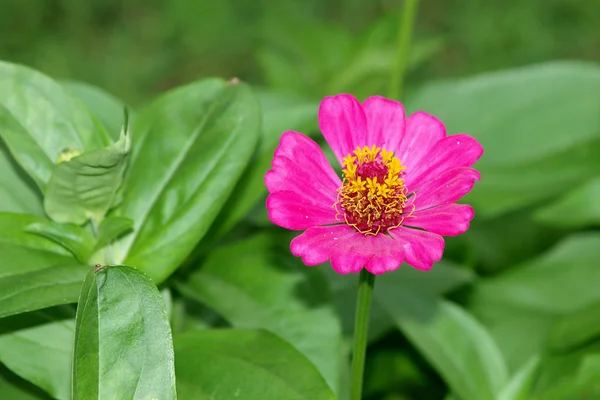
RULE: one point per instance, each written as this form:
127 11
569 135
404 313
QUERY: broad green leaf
39 120
192 146
22 252
41 288
574 375
123 340
575 329
507 324
280 113
78 240
578 208
453 341
556 282
255 284
546 296
501 242
112 228
18 192
84 187
35 272
38 347
443 278
15 388
245 364
103 105
520 117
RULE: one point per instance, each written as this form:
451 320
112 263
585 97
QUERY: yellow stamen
373 195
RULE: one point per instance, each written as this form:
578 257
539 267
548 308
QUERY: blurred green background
135 49
529 261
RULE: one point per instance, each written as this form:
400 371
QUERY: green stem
366 283
405 28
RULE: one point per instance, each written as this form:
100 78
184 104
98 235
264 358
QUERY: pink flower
400 179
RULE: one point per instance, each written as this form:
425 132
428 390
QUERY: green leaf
78 240
556 282
575 329
520 383
123 339
84 187
22 252
582 205
39 120
35 272
14 388
280 113
573 375
443 278
245 364
192 146
106 107
453 341
261 287
112 228
549 297
18 192
32 290
520 117
38 347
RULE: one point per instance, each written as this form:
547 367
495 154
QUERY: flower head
396 197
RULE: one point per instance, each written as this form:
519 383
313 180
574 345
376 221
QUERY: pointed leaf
78 240
18 192
192 146
520 383
443 278
84 187
103 105
38 347
582 205
280 113
453 341
520 116
39 120
248 285
245 364
28 291
123 340
21 251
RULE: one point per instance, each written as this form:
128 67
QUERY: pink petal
388 254
300 166
447 220
315 245
348 250
423 131
292 211
445 188
451 152
422 248
378 254
343 124
385 122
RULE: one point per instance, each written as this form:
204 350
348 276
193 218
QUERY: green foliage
122 340
250 364
177 193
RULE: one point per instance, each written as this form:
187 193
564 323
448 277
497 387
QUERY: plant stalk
366 283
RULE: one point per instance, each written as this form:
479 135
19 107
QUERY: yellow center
373 195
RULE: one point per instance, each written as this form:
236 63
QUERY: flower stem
366 283
405 28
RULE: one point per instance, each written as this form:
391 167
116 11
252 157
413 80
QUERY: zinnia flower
396 198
